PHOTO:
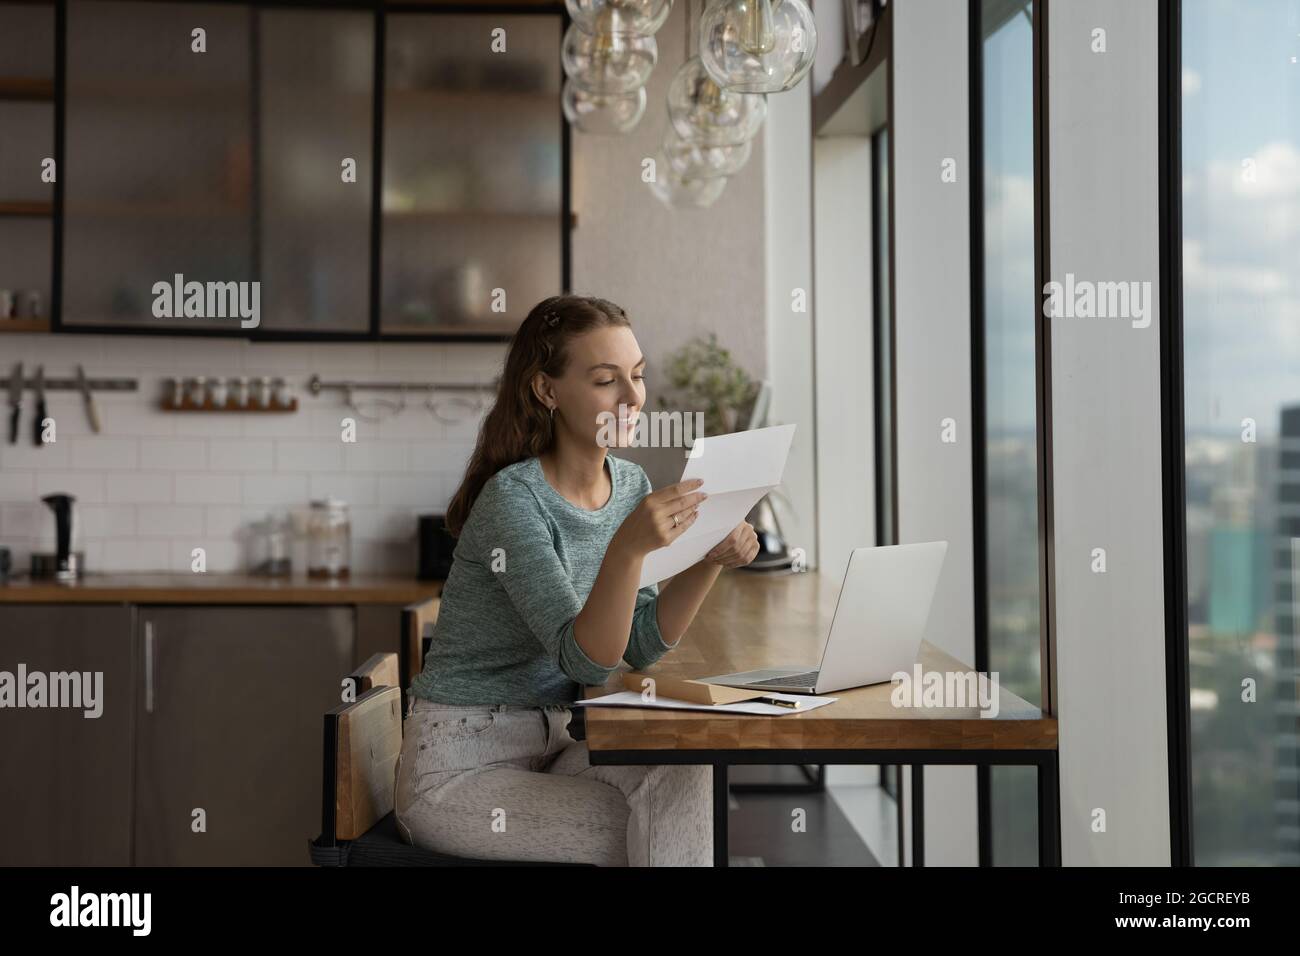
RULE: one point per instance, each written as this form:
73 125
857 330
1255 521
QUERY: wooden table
752 620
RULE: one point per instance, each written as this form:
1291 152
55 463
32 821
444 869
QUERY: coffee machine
63 564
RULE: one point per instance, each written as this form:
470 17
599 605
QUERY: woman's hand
650 526
736 549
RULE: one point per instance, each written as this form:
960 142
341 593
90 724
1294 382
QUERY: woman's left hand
736 549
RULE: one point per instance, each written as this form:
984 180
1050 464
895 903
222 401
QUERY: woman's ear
543 390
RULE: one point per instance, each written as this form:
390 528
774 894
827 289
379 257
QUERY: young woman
542 600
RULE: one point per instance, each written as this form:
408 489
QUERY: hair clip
551 318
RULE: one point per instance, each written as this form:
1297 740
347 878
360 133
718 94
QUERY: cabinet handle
148 667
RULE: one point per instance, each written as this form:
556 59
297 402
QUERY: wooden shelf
26 88
32 208
24 325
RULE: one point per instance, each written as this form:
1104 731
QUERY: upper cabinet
315 148
473 218
258 160
158 160
27 70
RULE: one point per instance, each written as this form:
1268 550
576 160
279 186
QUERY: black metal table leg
721 854
918 814
1049 817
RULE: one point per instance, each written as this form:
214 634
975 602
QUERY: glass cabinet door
26 142
158 167
472 202
316 78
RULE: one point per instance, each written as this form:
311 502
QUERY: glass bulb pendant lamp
637 17
693 160
757 46
601 112
684 191
608 62
704 113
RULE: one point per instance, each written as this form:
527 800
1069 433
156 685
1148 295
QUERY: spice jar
329 539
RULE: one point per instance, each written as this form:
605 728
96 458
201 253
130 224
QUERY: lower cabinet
66 771
228 730
207 746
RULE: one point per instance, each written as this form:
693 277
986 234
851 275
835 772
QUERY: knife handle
93 414
36 422
13 423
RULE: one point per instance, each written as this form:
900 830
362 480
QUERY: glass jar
269 546
329 539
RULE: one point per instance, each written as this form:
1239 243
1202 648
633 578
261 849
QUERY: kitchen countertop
169 588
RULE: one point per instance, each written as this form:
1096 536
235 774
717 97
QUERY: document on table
632 698
738 470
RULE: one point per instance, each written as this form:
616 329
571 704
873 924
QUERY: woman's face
603 383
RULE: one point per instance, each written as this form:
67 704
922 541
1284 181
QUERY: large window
1241 348
1009 447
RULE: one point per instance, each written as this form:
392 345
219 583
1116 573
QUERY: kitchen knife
88 399
15 400
40 405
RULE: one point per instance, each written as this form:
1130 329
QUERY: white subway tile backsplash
135 554
154 485
16 486
208 489
86 487
106 521
240 454
169 521
173 454
370 455
281 490
293 454
357 490
139 488
105 454
26 456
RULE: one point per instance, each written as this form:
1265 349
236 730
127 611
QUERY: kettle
65 564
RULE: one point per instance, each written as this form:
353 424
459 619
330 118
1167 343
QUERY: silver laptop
879 621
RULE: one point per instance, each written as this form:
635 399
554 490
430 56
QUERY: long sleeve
646 644
515 542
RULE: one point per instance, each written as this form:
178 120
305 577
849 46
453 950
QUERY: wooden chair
362 741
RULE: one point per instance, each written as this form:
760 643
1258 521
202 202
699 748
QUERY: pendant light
703 112
601 112
757 46
607 62
643 17
689 158
684 191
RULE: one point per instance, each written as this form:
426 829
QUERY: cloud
1191 81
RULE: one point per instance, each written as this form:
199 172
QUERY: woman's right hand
650 525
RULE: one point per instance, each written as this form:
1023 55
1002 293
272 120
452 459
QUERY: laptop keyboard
794 680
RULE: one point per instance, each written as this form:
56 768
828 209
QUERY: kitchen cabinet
157 169
66 778
26 195
228 730
434 207
473 172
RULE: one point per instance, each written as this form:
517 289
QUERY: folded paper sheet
738 470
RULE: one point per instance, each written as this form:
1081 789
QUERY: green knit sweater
521 571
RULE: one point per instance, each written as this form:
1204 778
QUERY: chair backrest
416 618
362 741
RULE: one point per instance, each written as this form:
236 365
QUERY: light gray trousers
507 782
